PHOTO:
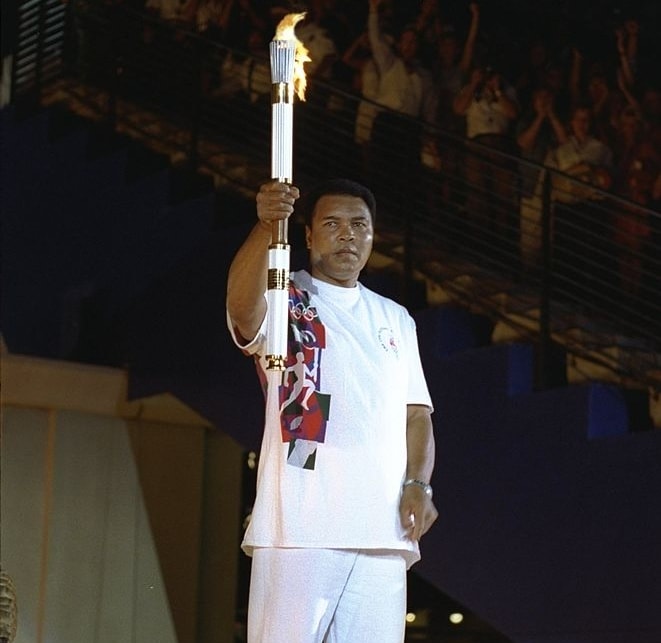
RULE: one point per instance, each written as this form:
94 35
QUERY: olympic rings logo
300 311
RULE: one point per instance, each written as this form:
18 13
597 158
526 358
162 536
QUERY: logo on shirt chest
388 341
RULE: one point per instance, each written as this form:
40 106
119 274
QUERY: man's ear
308 237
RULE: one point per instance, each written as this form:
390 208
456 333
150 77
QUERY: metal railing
559 261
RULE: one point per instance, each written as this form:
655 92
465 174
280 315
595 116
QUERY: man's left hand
416 511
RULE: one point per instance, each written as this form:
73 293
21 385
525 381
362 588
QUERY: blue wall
549 527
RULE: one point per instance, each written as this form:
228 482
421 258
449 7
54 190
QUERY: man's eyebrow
353 217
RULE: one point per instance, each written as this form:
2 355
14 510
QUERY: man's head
407 44
597 87
581 121
448 48
339 229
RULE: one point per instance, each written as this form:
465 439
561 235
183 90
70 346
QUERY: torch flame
285 31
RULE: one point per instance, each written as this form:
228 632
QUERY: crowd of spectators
570 85
497 76
490 75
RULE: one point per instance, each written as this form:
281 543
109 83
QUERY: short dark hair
581 106
334 187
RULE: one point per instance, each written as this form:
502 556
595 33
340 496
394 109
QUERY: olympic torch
287 55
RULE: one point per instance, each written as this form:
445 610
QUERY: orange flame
285 31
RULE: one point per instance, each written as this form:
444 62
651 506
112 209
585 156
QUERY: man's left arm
416 509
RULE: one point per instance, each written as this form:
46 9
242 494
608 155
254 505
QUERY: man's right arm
247 278
382 52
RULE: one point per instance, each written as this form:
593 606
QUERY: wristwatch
419 483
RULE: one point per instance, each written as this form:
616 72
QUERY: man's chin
348 264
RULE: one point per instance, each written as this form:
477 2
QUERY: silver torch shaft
282 56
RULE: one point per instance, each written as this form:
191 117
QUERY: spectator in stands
582 231
323 53
637 171
341 19
359 57
355 58
319 43
397 82
449 71
591 82
429 26
582 156
533 75
539 131
173 10
365 82
395 79
242 99
605 103
627 48
230 29
634 225
450 68
628 136
490 106
211 17
247 78
229 22
337 24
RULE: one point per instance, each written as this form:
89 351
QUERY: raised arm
626 92
417 511
247 278
527 137
543 106
351 57
469 45
624 58
464 98
382 52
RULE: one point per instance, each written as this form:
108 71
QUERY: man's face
408 45
597 88
448 48
580 123
339 239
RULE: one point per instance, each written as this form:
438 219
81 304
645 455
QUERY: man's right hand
275 201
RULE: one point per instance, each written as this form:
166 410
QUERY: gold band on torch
287 56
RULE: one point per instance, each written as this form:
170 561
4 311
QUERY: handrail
571 264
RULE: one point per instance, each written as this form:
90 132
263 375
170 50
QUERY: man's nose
346 231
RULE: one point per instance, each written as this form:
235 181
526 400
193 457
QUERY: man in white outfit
343 493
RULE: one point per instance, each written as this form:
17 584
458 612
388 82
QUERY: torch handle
279 232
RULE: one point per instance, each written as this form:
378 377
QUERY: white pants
326 596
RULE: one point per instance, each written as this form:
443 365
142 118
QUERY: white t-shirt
486 116
573 152
333 455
